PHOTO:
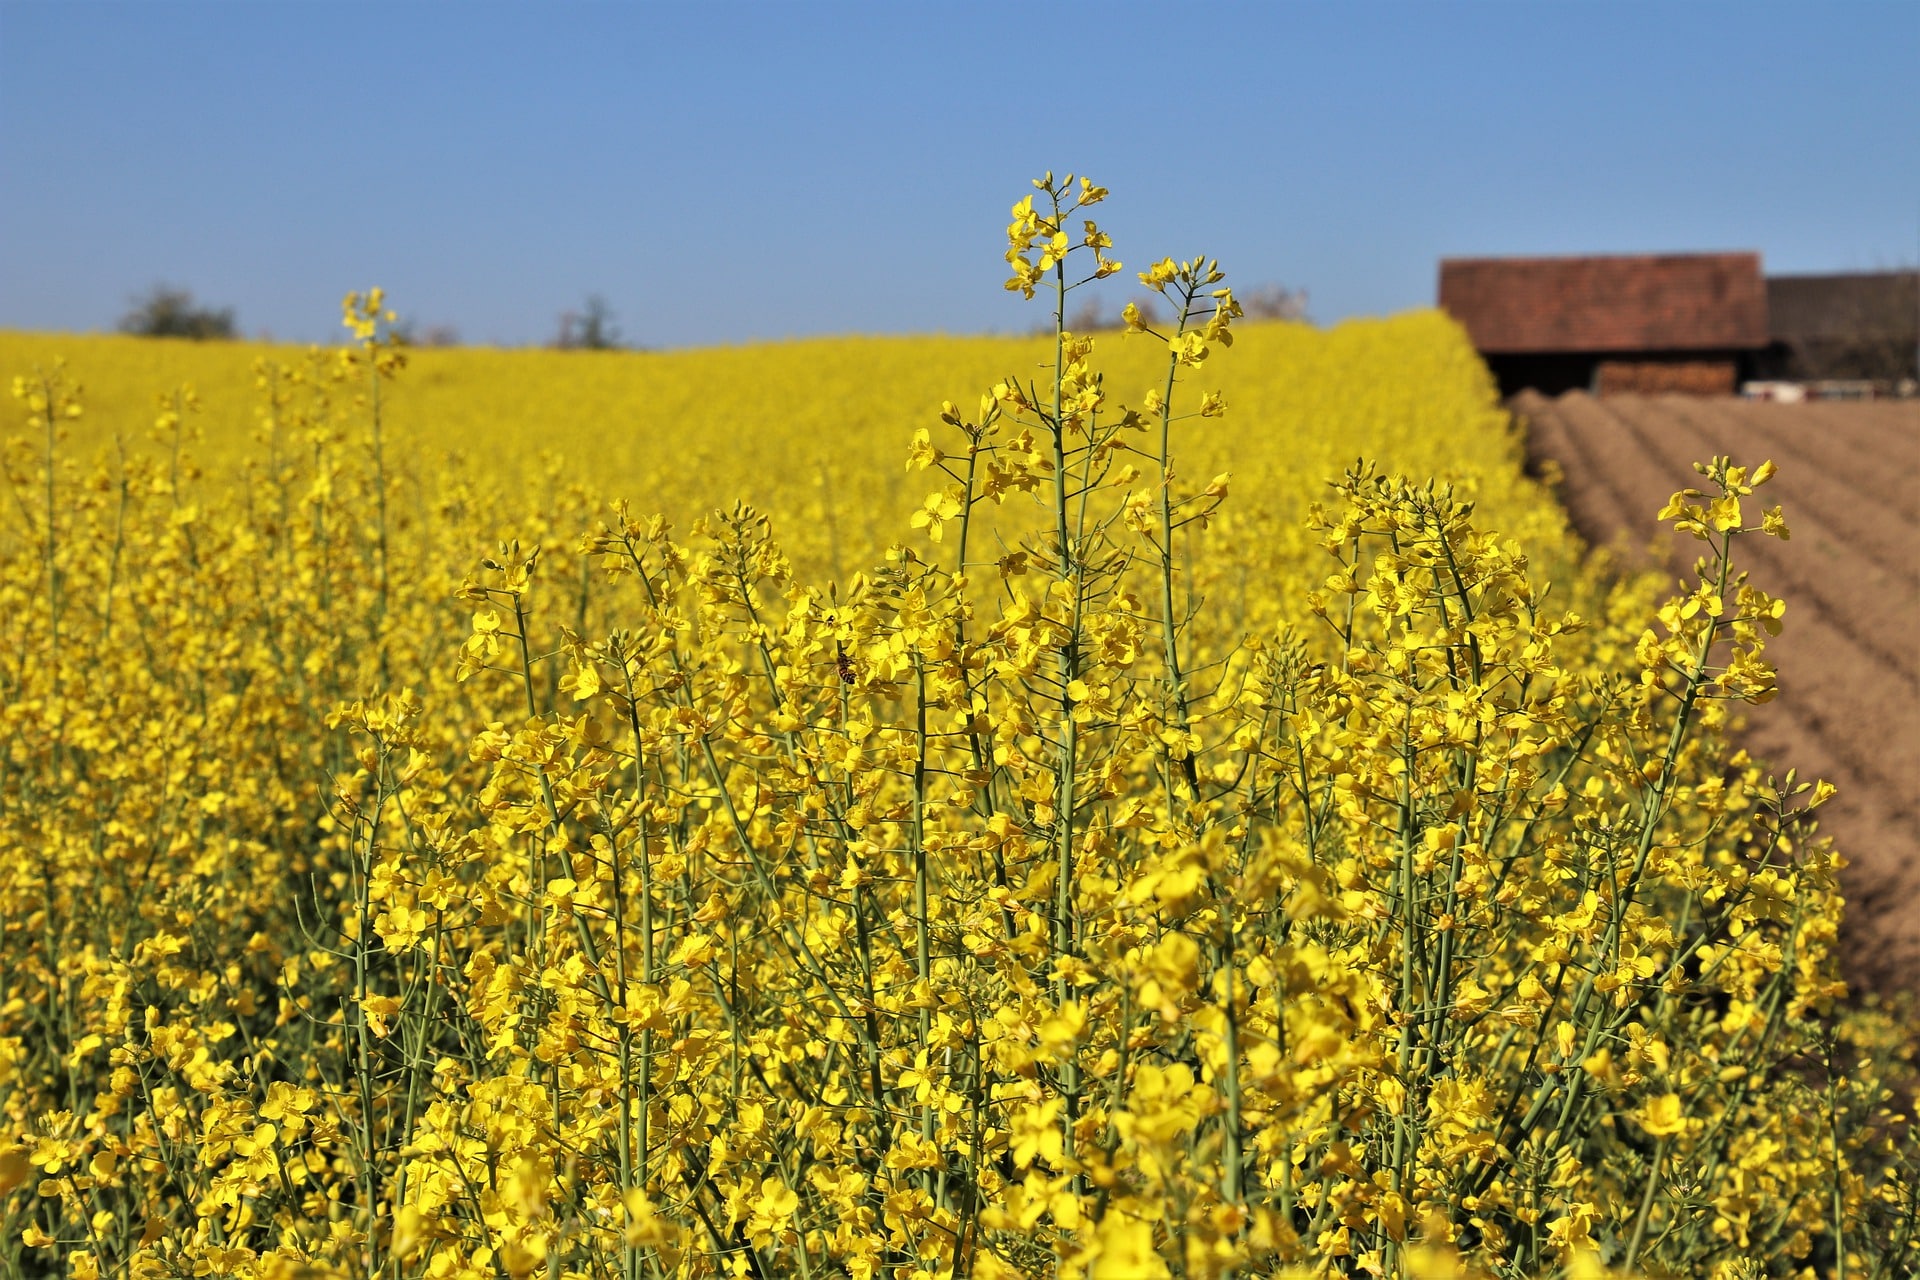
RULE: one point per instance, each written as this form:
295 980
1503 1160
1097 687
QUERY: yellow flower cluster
1112 878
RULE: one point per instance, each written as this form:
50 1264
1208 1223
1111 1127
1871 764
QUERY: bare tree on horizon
168 311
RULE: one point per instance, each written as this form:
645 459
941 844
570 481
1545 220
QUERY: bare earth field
1849 657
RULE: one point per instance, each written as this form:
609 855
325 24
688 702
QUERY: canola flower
1106 882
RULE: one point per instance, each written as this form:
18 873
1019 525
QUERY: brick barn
1683 322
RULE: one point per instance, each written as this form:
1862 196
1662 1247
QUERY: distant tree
1088 317
168 312
1274 302
1262 302
409 332
1092 316
589 329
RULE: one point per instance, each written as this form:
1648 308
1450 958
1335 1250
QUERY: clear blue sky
723 172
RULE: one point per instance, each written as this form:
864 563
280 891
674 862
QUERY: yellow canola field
1052 833
813 431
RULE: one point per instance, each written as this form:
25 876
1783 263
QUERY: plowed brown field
1849 656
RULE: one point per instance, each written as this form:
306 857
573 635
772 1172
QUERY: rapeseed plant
1107 882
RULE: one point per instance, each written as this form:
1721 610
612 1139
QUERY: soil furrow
1627 471
1596 508
1849 706
1884 476
1873 611
1879 531
1847 691
1880 943
1874 434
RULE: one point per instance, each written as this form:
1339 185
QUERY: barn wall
1864 326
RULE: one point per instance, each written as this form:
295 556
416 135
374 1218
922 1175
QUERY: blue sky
722 172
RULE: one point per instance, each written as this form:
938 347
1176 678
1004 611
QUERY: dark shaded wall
1863 326
1553 373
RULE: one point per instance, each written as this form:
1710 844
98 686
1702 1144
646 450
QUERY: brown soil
1849 654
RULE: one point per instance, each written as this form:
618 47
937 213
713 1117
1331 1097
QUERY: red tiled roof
1642 302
